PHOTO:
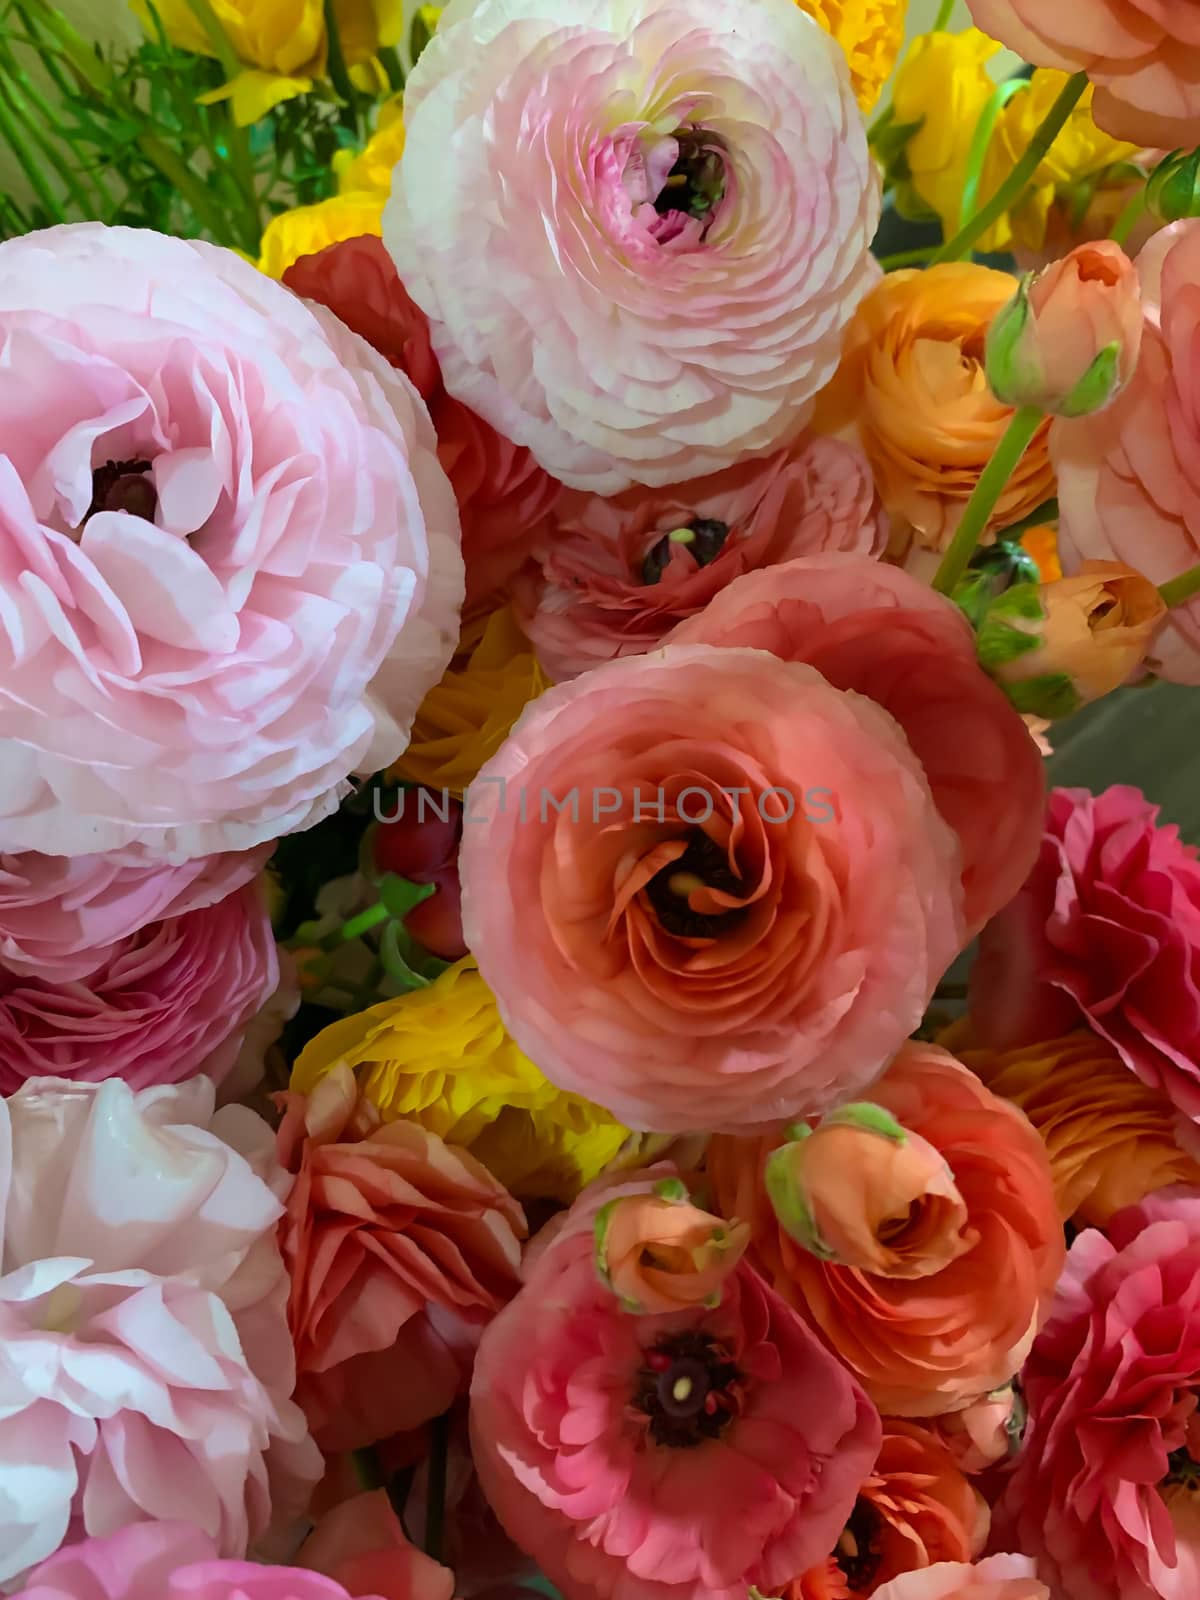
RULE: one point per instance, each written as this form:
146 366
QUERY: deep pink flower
687 1456
1104 1491
1105 931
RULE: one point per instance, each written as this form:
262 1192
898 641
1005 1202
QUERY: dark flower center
121 486
689 1390
704 538
695 185
703 862
859 1551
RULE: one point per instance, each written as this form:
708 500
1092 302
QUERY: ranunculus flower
871 35
1111 1140
504 498
232 566
1105 931
1126 478
619 182
617 574
874 629
361 1545
955 1315
707 888
980 1434
997 1578
1104 1491
173 999
687 1455
911 389
1141 58
399 1249
659 1253
146 1357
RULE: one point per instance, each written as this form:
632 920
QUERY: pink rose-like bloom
231 563
173 999
874 629
1128 485
1103 1494
587 192
1106 931
616 575
996 1578
744 910
147 1366
685 1456
1141 55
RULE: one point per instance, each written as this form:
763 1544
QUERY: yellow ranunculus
944 85
465 718
870 32
306 229
369 170
441 1056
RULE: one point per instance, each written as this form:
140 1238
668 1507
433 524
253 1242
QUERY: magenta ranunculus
145 1364
170 1000
638 230
229 566
689 1455
1104 1494
1105 931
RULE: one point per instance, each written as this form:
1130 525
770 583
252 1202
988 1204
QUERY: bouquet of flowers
543 546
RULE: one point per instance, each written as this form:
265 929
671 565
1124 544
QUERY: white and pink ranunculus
229 564
638 229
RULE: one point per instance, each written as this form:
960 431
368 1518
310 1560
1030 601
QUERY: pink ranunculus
230 565
1128 484
172 999
684 1456
1103 1495
874 629
588 192
617 574
997 1578
361 1545
1106 931
708 889
147 1368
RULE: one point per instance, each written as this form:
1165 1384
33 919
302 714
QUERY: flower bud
1068 340
1173 188
658 1252
862 1191
1053 647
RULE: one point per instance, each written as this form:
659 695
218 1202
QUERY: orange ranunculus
916 1508
1109 1137
912 388
660 1253
922 1345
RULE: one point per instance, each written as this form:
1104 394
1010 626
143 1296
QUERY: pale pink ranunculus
616 575
172 999
1143 56
147 1368
686 1456
1105 933
743 911
1103 1492
1001 1577
638 230
874 629
1128 486
230 566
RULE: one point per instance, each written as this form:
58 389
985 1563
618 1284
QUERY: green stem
981 143
191 188
1129 218
239 142
983 499
339 73
908 258
1014 186
435 1496
945 12
20 104
1182 588
392 66
10 133
356 926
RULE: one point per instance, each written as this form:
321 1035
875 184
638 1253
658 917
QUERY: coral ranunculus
577 315
681 1456
1106 931
615 575
1104 1491
708 920
873 629
230 560
954 1318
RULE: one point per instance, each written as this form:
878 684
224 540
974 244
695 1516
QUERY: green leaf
395 962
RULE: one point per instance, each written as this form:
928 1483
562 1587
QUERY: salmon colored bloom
870 32
399 1249
1111 1139
981 1434
660 1253
997 1578
959 1321
361 1545
1142 59
912 389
